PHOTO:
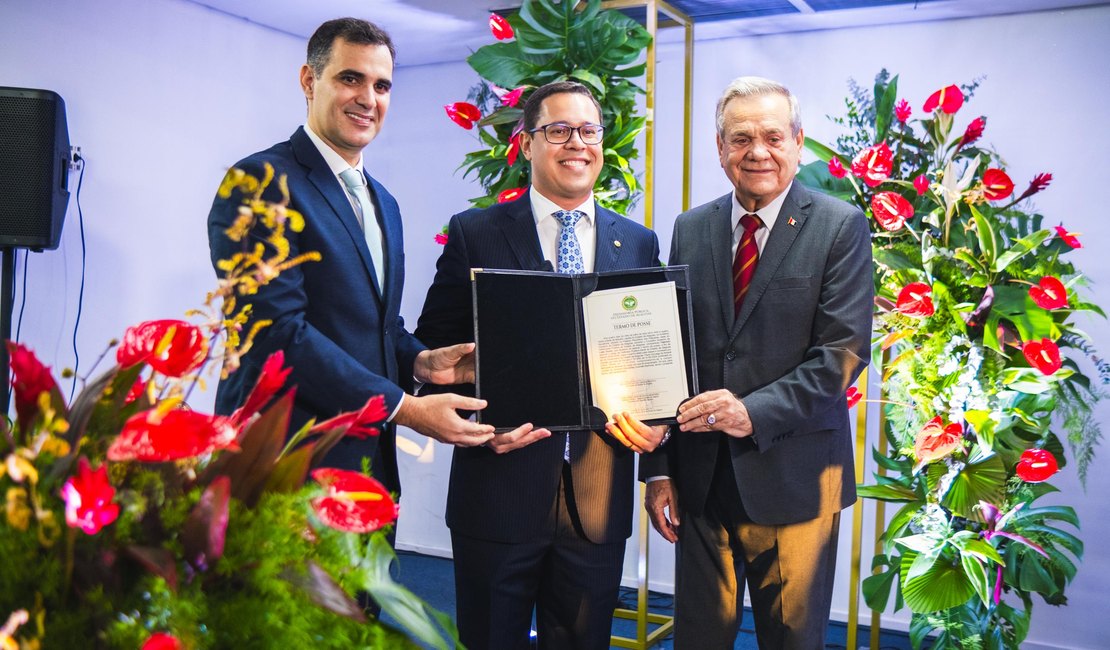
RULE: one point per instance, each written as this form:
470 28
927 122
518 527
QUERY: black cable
23 298
81 291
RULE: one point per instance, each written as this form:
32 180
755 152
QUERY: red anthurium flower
936 440
162 641
948 99
997 185
30 378
854 396
359 423
354 502
514 150
1044 355
973 132
153 437
500 27
441 237
512 98
836 168
171 347
1069 238
891 210
511 194
464 114
1049 293
1036 465
873 164
1039 182
921 184
915 300
270 381
88 498
902 110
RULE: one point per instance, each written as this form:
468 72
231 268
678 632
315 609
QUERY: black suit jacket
801 339
344 339
508 498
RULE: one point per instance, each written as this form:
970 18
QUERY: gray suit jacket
800 340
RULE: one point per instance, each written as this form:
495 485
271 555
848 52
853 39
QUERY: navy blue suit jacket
344 339
508 498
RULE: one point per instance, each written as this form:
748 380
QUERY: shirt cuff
396 408
651 479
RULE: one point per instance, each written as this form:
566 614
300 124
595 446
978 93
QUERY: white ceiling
435 31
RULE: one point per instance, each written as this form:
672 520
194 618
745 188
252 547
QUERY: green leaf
886 492
943 586
322 589
1021 248
823 151
876 589
976 574
982 481
502 64
504 115
413 614
884 107
590 79
988 241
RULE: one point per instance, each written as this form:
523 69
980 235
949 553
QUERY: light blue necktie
568 260
569 257
368 219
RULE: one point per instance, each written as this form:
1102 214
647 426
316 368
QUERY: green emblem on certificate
629 303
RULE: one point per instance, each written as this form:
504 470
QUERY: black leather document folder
531 361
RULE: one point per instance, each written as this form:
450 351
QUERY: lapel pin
792 221
617 243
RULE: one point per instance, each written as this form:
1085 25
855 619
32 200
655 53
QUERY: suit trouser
788 569
572 583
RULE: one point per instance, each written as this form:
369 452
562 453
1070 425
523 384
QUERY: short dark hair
535 100
352 30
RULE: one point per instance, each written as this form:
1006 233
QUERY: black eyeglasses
559 133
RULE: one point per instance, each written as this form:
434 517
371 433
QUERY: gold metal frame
645 638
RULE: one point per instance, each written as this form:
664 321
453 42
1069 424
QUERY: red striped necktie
747 256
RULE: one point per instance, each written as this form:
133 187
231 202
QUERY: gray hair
758 87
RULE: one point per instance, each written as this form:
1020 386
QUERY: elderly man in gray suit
762 465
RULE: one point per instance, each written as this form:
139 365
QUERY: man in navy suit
762 466
539 520
337 319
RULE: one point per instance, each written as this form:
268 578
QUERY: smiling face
758 151
565 173
347 102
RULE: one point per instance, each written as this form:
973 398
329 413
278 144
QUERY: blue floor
432 578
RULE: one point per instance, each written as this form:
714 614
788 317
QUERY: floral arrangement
132 521
549 41
980 361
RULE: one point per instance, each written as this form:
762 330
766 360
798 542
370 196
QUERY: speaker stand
7 306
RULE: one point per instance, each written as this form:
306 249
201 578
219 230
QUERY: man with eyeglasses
539 520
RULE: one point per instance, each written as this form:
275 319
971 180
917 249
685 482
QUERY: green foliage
968 547
556 41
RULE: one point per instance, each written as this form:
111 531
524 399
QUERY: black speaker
34 168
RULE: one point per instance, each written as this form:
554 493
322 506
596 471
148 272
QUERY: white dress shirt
547 227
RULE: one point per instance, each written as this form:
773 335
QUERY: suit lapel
607 249
321 176
519 227
720 251
389 217
792 218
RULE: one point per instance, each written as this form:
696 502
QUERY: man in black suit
539 520
337 319
762 467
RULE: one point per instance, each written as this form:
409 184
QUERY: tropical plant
547 41
976 305
132 520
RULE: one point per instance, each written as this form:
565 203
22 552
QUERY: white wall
162 95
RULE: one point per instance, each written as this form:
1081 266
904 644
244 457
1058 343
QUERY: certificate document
634 350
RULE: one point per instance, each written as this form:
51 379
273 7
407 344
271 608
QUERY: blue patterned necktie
367 218
569 258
